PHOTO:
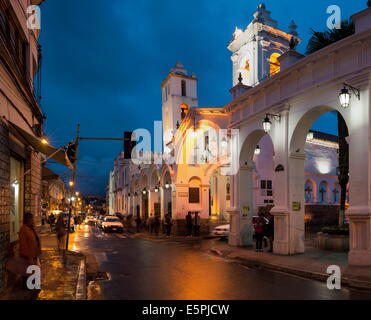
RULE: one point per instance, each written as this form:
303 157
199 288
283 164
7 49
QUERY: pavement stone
59 276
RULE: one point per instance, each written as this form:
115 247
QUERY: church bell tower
179 94
256 49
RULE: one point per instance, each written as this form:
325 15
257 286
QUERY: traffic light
71 152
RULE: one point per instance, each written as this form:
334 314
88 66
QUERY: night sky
103 63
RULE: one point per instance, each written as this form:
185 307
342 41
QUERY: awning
25 137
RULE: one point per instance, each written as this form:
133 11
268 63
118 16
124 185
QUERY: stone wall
317 216
4 203
33 186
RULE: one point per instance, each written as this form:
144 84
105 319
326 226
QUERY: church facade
227 162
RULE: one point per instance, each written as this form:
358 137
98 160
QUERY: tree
322 39
343 172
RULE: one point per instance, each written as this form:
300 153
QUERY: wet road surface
145 269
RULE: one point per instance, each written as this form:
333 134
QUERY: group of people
193 224
264 230
152 224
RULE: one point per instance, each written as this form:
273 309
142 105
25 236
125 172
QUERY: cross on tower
308 190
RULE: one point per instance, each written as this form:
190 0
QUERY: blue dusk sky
103 63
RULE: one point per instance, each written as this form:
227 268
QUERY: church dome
262 6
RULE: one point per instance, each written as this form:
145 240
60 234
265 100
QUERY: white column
359 212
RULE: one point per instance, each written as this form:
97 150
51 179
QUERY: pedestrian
189 224
197 224
60 229
51 221
138 222
259 233
269 231
29 244
168 224
156 224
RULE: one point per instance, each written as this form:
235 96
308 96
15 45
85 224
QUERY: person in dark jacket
138 222
189 224
197 224
168 224
259 233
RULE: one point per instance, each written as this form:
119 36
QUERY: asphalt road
144 269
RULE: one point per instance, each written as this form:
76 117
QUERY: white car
112 223
222 231
90 220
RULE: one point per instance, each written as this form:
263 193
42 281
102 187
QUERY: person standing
29 243
60 229
138 222
259 233
189 224
168 224
156 224
197 224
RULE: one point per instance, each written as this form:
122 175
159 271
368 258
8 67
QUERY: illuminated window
274 63
184 110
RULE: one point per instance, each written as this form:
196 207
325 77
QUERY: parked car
222 231
100 220
112 223
90 220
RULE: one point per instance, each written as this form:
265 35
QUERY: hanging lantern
257 150
267 124
344 98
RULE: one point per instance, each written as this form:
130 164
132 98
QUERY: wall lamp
344 95
267 123
257 150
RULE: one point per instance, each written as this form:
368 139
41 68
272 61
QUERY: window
184 88
266 187
275 66
194 195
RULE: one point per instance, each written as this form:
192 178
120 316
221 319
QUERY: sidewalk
312 264
59 274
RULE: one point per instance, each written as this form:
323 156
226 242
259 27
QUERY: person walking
29 244
51 221
168 224
189 224
269 231
156 225
138 222
197 224
60 229
259 233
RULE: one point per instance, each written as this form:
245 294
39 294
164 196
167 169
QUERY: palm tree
318 41
322 39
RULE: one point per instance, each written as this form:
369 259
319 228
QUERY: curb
298 272
81 282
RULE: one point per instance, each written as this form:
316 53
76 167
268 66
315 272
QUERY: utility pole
73 184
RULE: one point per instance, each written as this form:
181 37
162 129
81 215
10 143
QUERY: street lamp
257 150
44 141
71 183
156 189
345 96
167 185
267 123
144 191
